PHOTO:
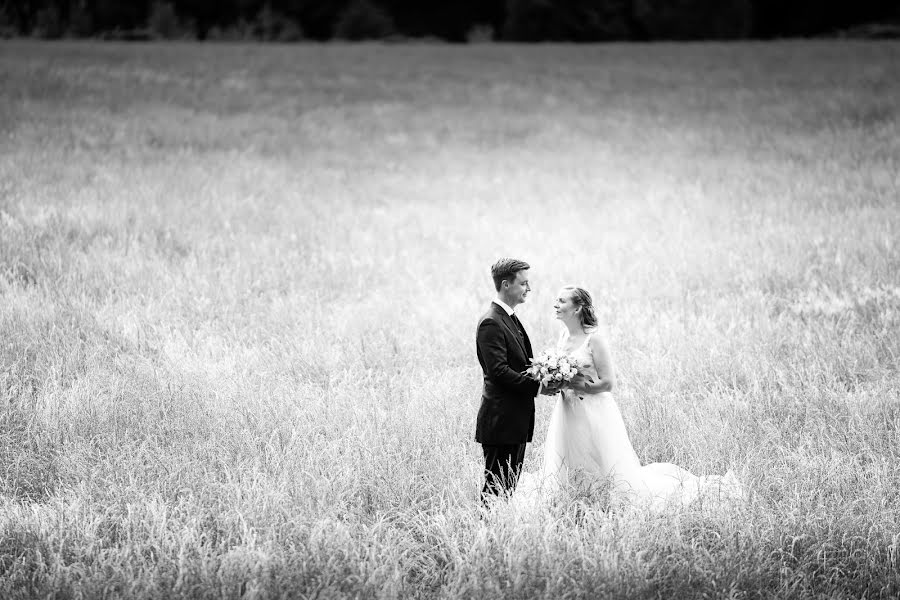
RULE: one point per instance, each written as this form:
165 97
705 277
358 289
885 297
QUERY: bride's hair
581 297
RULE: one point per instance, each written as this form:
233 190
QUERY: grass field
239 285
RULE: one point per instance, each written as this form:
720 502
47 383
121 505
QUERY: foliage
450 20
695 19
7 27
558 20
81 20
480 33
241 31
163 22
48 22
363 20
118 15
275 26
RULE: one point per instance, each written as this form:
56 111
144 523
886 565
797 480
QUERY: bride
587 441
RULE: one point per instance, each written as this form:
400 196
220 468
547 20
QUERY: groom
506 417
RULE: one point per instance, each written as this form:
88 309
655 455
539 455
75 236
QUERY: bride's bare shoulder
597 341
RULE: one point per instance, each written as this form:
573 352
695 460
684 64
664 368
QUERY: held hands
551 389
580 383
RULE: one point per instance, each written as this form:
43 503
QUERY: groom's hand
551 388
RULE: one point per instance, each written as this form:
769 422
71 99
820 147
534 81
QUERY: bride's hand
551 389
580 382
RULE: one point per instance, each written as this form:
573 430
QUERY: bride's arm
603 365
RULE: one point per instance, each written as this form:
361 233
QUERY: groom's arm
492 345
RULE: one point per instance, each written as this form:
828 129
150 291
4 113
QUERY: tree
449 20
575 20
363 20
81 21
317 18
163 22
48 23
21 13
275 26
695 19
206 14
778 18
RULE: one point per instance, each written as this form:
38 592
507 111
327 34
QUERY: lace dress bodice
584 359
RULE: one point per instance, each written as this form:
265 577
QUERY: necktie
519 326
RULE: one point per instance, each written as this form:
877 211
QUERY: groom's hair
506 269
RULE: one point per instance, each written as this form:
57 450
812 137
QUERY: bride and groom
586 439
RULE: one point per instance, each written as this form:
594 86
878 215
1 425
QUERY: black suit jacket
506 415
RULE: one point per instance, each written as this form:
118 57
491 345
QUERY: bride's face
566 309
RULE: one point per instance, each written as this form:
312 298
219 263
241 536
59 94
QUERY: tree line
450 20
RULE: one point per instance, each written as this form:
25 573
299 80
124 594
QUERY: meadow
239 286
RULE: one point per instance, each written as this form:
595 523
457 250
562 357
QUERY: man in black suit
506 417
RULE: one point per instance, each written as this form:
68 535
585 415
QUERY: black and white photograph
451 299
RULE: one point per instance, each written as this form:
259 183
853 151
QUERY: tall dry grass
238 286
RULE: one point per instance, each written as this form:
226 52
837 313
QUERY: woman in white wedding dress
587 441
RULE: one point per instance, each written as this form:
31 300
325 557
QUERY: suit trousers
502 465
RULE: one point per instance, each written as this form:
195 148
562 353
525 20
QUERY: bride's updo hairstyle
581 297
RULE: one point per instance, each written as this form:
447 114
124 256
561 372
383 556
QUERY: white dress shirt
504 306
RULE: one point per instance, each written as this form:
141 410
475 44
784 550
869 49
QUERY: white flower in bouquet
552 366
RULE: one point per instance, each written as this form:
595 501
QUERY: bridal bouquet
552 366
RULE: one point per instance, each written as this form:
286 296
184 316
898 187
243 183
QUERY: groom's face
518 288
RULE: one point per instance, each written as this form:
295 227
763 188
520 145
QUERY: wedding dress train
587 444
